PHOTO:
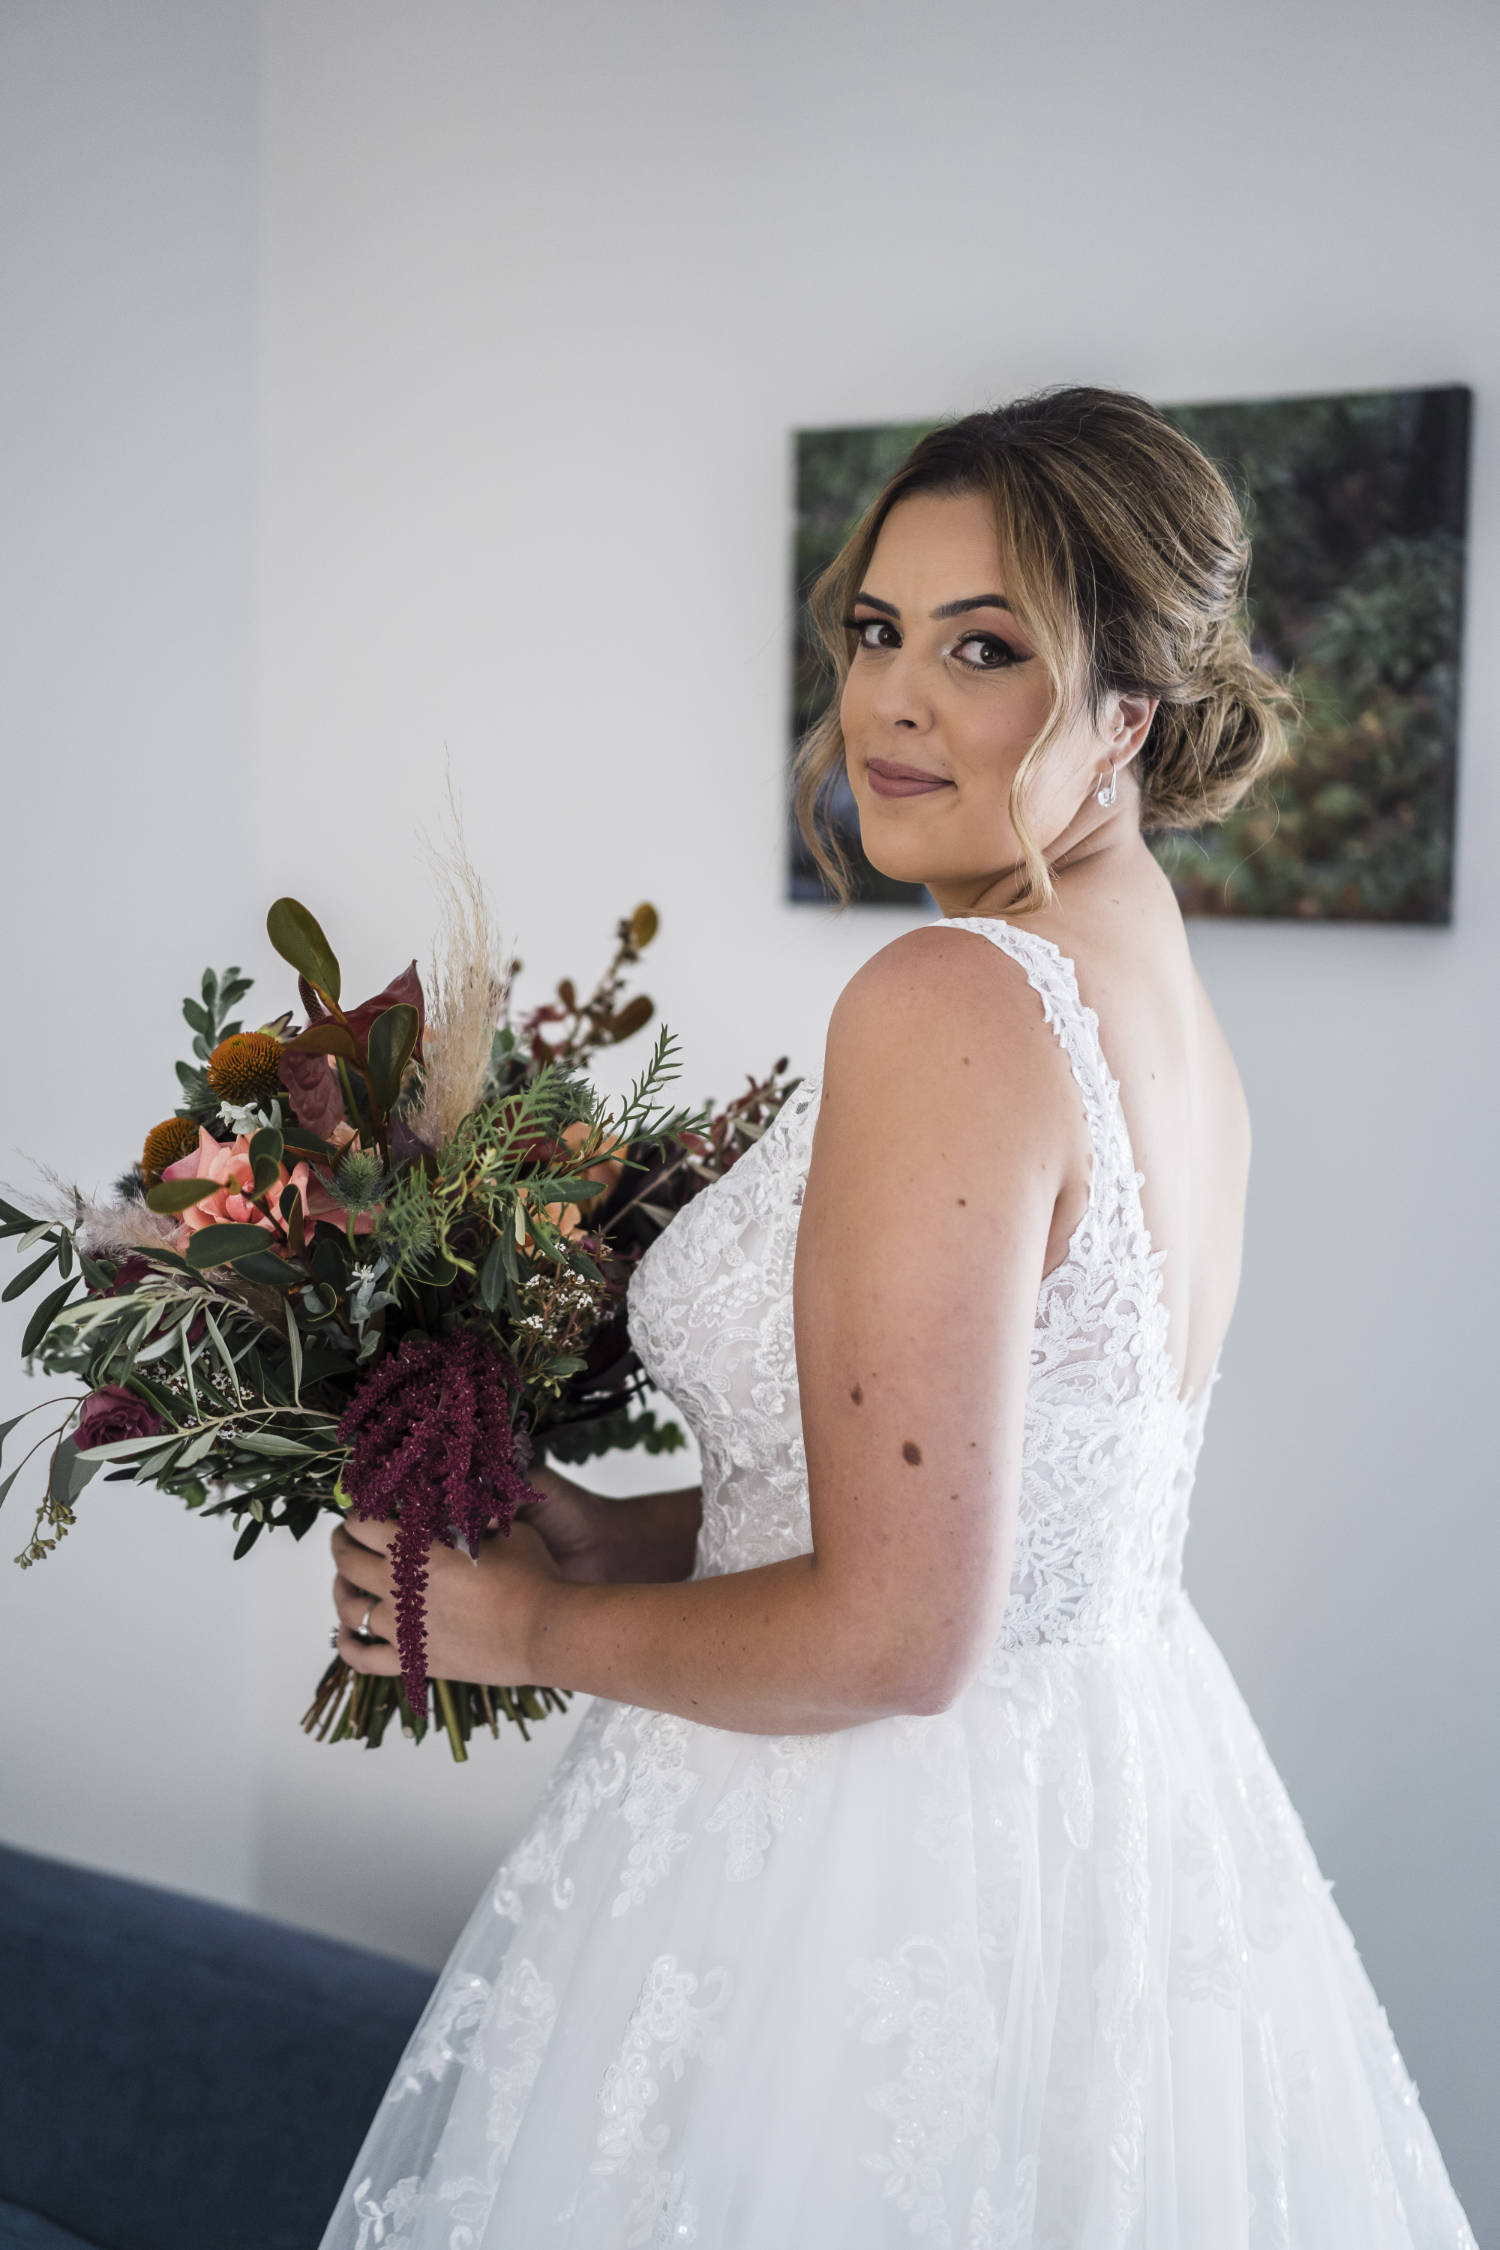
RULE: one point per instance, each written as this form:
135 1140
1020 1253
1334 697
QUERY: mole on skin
912 1453
857 1395
963 1203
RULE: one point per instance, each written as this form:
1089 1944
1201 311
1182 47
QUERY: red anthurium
406 987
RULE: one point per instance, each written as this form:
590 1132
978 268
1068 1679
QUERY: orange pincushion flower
165 1143
246 1067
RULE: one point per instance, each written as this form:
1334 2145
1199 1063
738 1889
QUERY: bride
918 1873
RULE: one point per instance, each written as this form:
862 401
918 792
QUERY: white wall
544 291
127 274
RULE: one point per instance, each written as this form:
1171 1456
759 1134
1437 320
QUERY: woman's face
944 697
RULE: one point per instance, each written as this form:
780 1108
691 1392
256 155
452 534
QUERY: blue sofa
176 2075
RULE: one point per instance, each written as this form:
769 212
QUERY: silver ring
362 1629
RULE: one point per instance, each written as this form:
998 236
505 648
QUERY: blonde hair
1125 561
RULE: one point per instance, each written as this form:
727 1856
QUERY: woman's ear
1127 720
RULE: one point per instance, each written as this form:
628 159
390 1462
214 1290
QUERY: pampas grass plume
466 993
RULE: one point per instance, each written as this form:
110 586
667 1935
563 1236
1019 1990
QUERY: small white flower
247 1117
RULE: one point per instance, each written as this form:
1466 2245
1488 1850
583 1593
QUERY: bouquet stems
358 1707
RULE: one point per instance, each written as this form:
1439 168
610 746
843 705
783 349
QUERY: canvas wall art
1357 510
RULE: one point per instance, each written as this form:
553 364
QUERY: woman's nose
899 700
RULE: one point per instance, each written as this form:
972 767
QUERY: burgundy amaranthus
432 1443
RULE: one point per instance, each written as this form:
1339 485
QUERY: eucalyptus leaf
264 1266
189 1374
270 1442
203 1443
389 1048
492 1276
79 1474
125 1448
324 1039
217 1337
248 1537
298 938
169 1196
294 1346
155 1464
265 1153
159 1345
309 1144
26 1277
160 1255
42 1319
221 1245
70 1472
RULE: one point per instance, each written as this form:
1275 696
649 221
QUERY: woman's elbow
922 1678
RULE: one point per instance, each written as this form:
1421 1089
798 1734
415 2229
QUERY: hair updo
1125 560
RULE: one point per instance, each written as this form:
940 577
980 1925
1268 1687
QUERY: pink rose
232 1204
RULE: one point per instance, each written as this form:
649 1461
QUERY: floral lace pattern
1053 1966
947 2030
668 2027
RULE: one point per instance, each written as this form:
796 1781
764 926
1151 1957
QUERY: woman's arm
948 1128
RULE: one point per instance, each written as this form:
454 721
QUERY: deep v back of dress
1052 1969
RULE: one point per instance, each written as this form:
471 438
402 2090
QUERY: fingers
377 1537
353 1606
369 1567
364 1587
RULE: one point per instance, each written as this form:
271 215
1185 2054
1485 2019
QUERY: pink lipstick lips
888 779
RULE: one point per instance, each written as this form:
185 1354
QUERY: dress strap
1114 1180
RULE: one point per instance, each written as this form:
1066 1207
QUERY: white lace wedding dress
1054 1969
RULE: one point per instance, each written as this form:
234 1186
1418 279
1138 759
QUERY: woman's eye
868 630
991 653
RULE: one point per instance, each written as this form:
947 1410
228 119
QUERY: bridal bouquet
374 1263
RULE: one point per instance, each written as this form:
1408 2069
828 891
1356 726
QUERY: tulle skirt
1054 1969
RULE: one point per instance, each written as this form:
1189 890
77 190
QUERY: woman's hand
481 1616
573 1524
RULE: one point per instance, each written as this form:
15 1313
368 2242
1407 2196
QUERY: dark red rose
129 1273
112 1414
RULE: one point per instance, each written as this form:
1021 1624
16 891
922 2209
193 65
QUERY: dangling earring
1106 791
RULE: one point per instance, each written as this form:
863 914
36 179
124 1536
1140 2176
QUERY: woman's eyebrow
972 601
949 609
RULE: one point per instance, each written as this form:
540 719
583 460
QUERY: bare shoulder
940 1021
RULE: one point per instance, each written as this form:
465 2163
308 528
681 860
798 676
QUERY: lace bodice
1109 1448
